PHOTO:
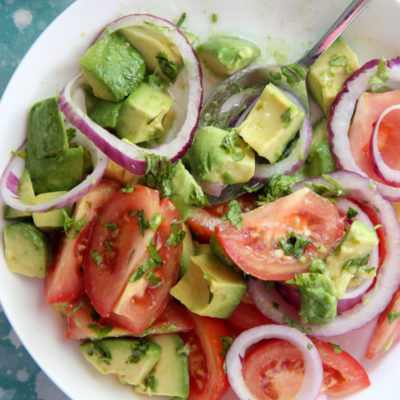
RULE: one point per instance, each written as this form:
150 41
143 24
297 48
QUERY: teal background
21 22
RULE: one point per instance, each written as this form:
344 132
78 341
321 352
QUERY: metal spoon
253 79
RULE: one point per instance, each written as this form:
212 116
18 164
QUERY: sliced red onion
389 175
17 164
374 301
214 189
131 156
342 112
354 294
313 374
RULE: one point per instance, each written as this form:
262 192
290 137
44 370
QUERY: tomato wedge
204 221
387 331
208 379
82 325
64 281
116 246
369 107
137 309
274 370
255 248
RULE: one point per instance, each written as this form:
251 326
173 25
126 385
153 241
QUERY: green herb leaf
214 18
336 348
128 189
177 235
96 257
382 74
234 214
294 244
169 68
392 317
19 153
181 20
72 227
226 343
278 186
142 221
151 382
289 322
351 213
332 189
102 351
139 350
354 263
340 61
286 117
101 331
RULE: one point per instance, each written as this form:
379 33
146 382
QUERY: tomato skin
204 221
246 316
274 369
137 316
386 334
175 318
254 248
208 380
64 281
106 280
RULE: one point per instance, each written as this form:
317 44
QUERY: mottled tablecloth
21 22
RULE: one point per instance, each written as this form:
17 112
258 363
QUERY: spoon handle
348 15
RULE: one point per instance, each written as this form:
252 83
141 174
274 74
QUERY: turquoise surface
21 22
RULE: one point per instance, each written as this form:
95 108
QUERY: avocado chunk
317 297
220 156
46 132
170 376
50 220
26 195
225 55
218 288
272 123
185 192
130 360
142 116
60 172
187 250
105 113
320 159
350 258
158 51
113 68
327 75
27 250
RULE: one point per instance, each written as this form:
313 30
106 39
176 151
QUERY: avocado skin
57 173
27 249
225 55
113 68
46 133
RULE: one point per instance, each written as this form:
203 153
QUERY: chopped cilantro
96 257
139 350
294 244
73 225
214 18
275 76
354 263
286 117
351 213
226 342
289 322
181 20
278 186
333 189
169 68
155 222
102 351
151 382
382 74
309 346
392 317
101 331
111 226
177 235
336 347
234 214
152 278
142 221
128 189
154 261
19 153
108 245
340 61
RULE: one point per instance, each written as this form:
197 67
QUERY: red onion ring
16 165
389 175
313 373
131 156
376 299
342 112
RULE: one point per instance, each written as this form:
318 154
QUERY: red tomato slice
116 246
208 379
246 316
369 107
387 331
137 309
255 249
274 370
205 220
175 318
64 281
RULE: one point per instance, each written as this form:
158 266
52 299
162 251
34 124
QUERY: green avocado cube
130 360
50 220
27 250
218 288
327 75
170 376
105 113
351 256
157 49
143 114
113 68
225 55
220 156
272 123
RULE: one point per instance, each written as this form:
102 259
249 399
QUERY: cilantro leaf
351 213
234 214
294 244
278 186
392 317
101 331
177 235
71 224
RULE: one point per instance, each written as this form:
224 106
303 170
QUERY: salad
306 251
